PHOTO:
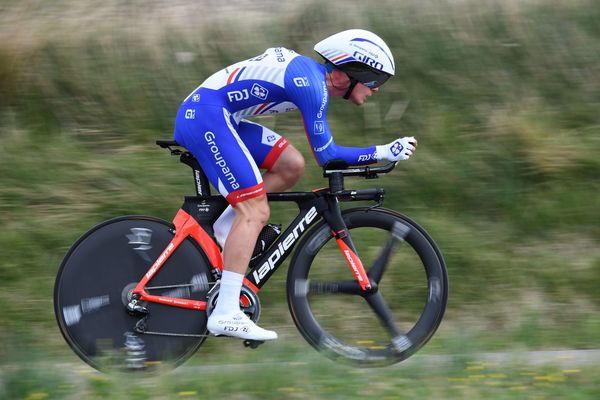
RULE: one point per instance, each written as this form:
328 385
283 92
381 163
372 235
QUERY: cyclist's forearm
351 155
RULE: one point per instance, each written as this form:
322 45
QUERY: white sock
222 225
230 288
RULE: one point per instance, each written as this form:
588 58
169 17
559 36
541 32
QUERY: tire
95 279
414 287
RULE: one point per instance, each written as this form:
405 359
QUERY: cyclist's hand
399 149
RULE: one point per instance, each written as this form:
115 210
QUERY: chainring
249 302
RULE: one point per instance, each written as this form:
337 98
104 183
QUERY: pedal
253 343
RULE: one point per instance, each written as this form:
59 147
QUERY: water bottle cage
267 236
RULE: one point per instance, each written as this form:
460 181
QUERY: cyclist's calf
250 217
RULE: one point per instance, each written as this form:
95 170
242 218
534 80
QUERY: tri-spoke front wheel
382 327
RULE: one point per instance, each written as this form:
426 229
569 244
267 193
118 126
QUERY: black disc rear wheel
94 284
338 319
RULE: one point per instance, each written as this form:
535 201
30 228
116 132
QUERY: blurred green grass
262 376
503 97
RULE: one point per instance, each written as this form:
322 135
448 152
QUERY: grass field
269 374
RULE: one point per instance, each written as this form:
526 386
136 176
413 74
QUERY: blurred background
504 98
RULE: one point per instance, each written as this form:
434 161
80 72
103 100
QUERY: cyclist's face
360 93
338 83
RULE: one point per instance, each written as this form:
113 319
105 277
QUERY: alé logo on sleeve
301 81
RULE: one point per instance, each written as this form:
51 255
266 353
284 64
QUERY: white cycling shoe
238 325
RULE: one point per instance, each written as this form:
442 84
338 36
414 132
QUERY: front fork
333 216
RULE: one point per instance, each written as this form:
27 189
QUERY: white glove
399 149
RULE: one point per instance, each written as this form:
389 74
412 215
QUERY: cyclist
211 123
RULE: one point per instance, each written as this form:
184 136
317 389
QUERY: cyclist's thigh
265 145
210 134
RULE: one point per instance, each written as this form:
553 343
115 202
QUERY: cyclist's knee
290 166
255 210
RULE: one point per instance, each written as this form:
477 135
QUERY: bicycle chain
140 327
172 334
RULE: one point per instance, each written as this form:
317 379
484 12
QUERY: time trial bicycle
365 284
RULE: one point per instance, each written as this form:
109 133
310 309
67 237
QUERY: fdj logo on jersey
256 91
367 60
259 91
238 95
366 157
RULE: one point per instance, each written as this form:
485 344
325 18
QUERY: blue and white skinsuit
210 121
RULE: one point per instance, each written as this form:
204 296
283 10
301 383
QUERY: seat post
336 182
200 179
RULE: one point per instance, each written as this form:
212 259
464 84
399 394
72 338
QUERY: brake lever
380 197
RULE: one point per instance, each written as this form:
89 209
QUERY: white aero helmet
361 54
